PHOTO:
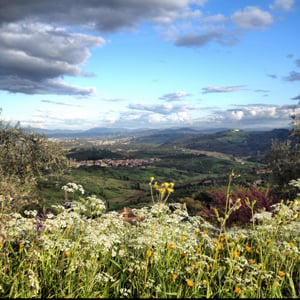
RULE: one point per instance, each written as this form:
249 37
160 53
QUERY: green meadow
190 224
80 250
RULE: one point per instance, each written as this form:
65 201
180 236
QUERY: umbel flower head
71 187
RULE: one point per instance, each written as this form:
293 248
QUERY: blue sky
149 63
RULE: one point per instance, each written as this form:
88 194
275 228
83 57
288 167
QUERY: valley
117 168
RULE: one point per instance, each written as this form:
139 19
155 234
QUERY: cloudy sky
149 63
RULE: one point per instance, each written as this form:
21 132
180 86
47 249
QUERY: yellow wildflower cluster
163 190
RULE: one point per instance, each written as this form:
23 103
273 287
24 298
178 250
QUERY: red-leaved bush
264 199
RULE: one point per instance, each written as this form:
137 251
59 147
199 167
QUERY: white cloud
164 109
174 96
156 118
183 116
252 18
257 114
237 115
219 18
35 57
285 5
221 89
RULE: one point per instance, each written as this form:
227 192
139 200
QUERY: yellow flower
204 282
237 290
197 249
171 245
67 253
151 179
251 261
291 244
68 229
190 282
220 246
174 276
197 230
280 273
170 190
165 185
236 240
205 231
196 265
236 254
21 247
248 249
161 191
148 253
183 238
295 216
224 238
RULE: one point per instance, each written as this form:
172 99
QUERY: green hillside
250 144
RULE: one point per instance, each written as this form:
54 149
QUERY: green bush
25 158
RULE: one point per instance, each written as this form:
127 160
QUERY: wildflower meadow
80 250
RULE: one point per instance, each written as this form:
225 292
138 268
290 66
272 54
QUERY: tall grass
79 250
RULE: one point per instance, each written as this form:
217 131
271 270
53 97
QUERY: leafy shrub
284 161
24 159
264 198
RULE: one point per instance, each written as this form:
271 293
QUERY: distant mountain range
193 138
93 132
105 131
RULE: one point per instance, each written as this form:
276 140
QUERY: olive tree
25 158
284 161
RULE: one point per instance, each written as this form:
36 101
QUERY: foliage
168 254
264 199
92 153
24 159
237 143
284 161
